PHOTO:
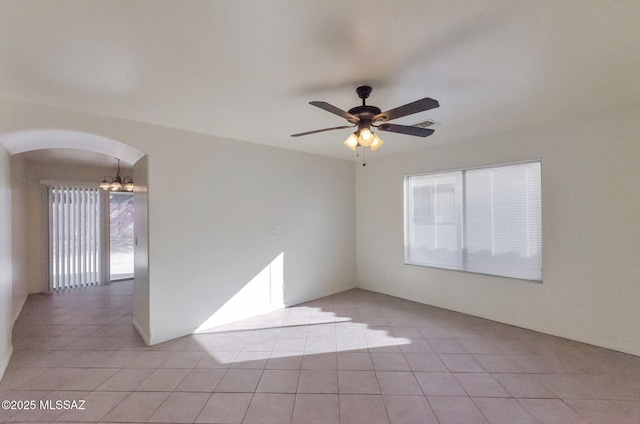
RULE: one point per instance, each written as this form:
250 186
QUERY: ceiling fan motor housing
365 114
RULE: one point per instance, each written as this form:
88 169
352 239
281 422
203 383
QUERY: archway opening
53 150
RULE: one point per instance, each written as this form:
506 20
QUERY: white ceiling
246 69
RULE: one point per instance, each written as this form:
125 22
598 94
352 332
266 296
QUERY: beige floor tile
320 361
354 361
362 409
439 384
16 377
358 382
498 363
150 359
480 384
118 359
290 344
446 346
220 360
316 345
398 383
316 409
251 360
262 344
226 408
425 362
84 340
180 408
478 345
460 362
86 359
389 361
416 345
163 380
89 379
318 381
201 380
49 411
552 411
239 381
284 361
268 408
523 386
600 411
51 379
631 407
504 411
18 395
409 410
96 406
137 407
126 380
183 360
456 410
356 344
278 381
565 386
54 359
407 332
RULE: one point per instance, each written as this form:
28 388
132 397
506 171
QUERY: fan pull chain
364 163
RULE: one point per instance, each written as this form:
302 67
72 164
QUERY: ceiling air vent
426 124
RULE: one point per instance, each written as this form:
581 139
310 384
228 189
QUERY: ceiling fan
365 116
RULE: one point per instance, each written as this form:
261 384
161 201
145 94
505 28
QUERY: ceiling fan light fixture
366 137
352 142
364 117
376 143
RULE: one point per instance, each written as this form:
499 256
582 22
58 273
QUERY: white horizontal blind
74 237
433 221
493 224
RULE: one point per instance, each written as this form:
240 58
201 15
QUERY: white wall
141 248
591 234
19 229
210 229
6 280
212 205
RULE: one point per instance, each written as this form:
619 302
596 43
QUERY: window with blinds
76 237
485 220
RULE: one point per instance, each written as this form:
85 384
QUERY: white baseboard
5 361
525 325
144 336
319 296
19 311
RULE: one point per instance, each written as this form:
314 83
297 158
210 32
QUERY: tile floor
355 357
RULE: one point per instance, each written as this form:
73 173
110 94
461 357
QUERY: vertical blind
486 220
75 237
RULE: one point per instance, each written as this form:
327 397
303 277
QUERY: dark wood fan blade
408 109
404 129
331 108
318 131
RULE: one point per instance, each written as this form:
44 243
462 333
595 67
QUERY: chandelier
117 183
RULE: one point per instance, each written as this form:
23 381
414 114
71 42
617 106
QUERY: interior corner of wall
145 336
4 362
17 310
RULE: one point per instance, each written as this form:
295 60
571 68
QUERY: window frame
462 171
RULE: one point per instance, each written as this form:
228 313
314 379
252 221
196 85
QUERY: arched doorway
40 139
